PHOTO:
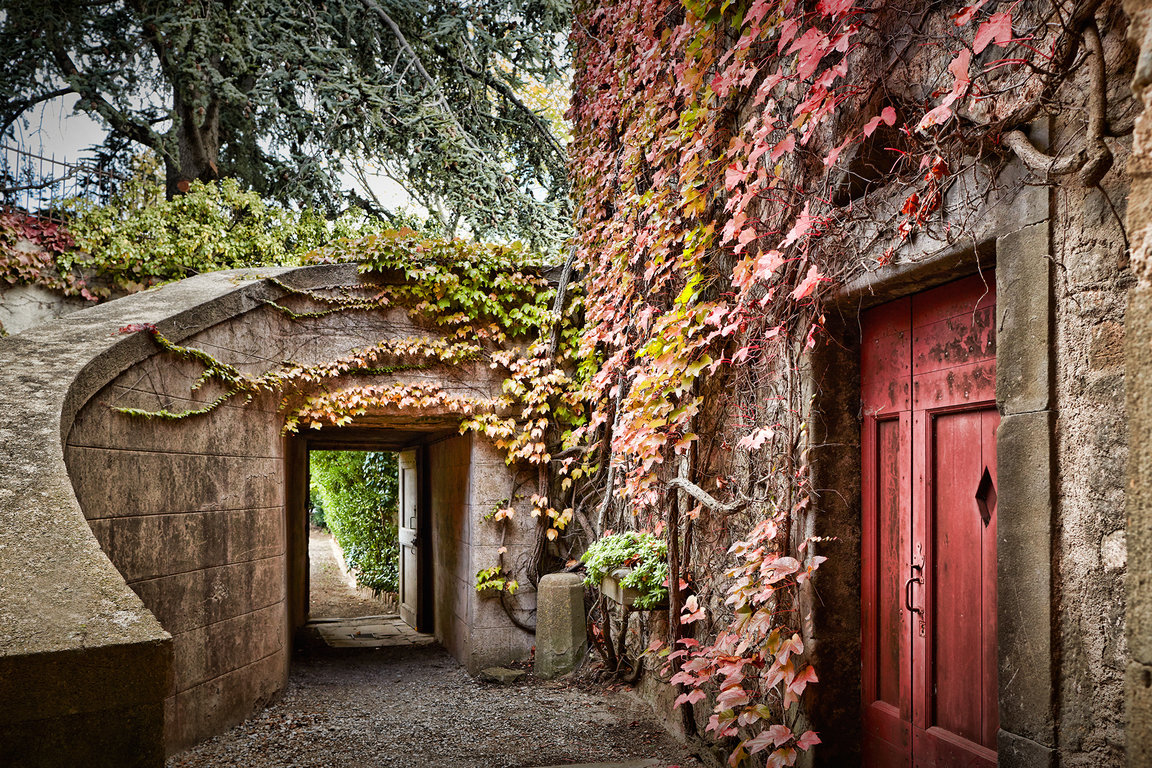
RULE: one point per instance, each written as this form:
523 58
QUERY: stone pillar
1138 386
561 637
1026 467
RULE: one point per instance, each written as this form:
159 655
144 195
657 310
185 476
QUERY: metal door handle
913 579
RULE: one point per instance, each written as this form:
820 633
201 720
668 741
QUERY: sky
56 131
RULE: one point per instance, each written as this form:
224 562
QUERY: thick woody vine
734 163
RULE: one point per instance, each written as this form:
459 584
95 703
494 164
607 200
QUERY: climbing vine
491 306
734 163
139 239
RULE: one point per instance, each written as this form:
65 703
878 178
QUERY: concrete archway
148 573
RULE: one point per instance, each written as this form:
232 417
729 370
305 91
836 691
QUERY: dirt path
329 594
416 707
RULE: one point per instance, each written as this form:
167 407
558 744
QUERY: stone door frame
1025 396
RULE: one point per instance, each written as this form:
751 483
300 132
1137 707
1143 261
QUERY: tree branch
119 122
13 109
537 122
705 498
440 100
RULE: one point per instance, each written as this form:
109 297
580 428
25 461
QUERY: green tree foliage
288 95
357 493
216 225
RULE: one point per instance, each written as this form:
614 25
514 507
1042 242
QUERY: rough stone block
220 703
501 675
1023 320
205 653
488 647
612 589
152 483
185 601
1138 499
150 546
127 737
561 638
1024 575
1138 535
1138 703
1018 752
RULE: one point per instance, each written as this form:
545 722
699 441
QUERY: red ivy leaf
807 740
136 327
787 32
886 116
787 144
808 284
834 155
688 698
833 7
965 15
998 29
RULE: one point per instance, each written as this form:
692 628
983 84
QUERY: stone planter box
626 596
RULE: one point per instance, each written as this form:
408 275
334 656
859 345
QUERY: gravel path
418 708
408 707
329 594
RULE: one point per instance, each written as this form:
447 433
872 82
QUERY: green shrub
645 554
213 226
357 493
315 508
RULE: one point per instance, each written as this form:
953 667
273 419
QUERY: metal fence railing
39 186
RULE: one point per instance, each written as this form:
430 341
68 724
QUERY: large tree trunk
198 145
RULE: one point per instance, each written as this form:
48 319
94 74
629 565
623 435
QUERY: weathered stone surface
561 638
611 588
1024 575
1138 385
1023 320
1138 706
61 600
501 675
105 739
1018 752
24 306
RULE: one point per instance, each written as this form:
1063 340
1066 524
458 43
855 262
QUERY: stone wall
1089 279
451 541
468 479
192 514
1138 391
493 639
1066 393
23 306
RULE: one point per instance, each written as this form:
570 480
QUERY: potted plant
630 568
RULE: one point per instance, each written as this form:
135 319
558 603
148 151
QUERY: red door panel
929 545
956 617
889 559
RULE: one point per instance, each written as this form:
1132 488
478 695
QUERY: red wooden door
928 365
